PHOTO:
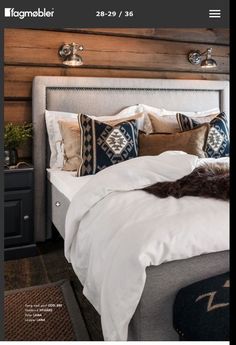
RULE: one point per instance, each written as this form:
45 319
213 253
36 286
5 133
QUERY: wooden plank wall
134 53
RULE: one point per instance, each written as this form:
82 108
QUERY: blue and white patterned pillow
103 145
218 137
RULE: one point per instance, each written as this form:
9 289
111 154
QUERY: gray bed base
152 319
57 208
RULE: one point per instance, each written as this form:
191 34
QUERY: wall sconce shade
69 52
194 57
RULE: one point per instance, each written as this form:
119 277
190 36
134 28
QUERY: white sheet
67 182
114 231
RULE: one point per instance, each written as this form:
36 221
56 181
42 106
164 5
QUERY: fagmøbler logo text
40 13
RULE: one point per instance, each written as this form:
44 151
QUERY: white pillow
163 120
146 124
163 112
54 135
143 122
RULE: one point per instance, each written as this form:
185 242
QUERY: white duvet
114 231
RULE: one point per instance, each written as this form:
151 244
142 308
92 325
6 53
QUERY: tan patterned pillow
169 123
192 142
70 133
164 124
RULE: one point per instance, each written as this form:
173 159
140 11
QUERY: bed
152 319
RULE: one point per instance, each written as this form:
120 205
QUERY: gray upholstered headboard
107 96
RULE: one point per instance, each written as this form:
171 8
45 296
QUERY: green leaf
17 134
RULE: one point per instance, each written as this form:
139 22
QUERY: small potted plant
14 136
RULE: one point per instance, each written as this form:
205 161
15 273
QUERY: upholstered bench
201 310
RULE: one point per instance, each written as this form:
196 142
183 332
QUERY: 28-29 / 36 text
115 14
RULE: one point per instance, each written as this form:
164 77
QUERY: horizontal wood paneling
107 52
18 79
17 111
214 36
122 53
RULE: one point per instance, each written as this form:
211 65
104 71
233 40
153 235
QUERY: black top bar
101 13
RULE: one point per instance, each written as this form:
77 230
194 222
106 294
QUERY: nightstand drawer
18 217
19 213
20 179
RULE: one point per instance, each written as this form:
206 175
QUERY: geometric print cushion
218 137
201 310
103 145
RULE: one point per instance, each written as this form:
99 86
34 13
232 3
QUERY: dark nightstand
18 213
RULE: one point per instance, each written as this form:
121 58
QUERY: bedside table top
20 168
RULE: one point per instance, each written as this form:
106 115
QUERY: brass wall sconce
69 53
195 58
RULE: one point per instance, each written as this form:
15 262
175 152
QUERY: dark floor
50 266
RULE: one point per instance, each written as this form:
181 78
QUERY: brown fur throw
209 181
